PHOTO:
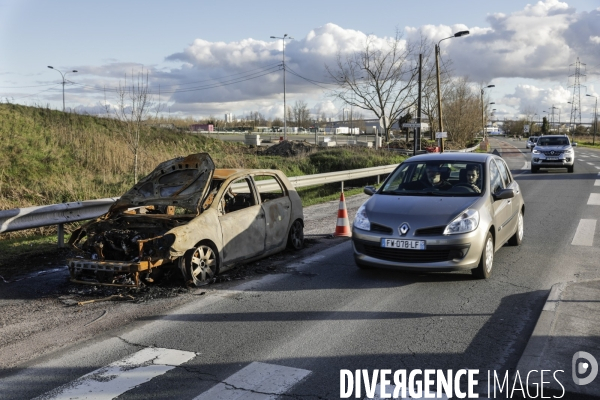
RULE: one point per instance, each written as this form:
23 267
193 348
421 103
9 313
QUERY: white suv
553 151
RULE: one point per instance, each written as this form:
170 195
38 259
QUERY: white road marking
590 163
597 183
257 381
584 236
123 375
597 167
594 199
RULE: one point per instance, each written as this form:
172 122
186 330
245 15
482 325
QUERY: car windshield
553 141
439 178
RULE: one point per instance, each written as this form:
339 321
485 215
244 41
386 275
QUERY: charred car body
188 215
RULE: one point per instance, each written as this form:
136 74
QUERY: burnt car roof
181 182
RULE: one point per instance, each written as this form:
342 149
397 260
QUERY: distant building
228 117
202 127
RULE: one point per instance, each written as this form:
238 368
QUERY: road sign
525 128
439 135
422 125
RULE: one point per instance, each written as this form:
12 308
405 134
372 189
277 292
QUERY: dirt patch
289 148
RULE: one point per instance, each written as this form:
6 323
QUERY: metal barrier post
342 186
61 235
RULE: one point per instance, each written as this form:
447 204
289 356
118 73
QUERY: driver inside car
472 177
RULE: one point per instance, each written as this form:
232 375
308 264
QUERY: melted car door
276 205
243 223
502 208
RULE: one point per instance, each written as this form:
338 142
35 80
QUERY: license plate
403 244
552 158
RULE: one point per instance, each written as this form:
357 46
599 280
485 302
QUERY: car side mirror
574 144
503 194
370 190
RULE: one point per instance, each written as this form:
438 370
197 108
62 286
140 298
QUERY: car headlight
467 221
361 221
569 151
536 151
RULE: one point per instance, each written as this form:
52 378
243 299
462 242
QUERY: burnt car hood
181 182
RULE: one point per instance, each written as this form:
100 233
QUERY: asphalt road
294 332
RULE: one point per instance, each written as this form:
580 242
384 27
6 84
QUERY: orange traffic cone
343 225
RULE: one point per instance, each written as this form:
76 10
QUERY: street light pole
482 109
285 36
439 94
63 82
595 118
553 120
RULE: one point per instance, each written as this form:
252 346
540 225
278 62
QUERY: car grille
553 152
381 228
432 254
433 231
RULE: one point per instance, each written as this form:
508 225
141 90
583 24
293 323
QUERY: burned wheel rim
296 237
202 265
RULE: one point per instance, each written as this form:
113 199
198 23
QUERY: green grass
51 157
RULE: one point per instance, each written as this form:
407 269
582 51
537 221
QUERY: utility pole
417 141
285 36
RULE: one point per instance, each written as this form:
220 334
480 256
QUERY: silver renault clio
440 212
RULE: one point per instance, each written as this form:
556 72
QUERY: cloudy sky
210 57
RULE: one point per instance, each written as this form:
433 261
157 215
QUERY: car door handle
260 216
287 207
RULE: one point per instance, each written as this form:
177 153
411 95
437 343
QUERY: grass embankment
53 157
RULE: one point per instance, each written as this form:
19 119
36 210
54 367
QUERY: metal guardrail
59 214
55 214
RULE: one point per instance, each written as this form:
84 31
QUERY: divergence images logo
580 367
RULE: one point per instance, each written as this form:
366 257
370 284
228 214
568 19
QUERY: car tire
534 170
201 264
484 269
517 238
296 236
571 168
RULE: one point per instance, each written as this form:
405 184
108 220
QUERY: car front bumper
442 253
545 163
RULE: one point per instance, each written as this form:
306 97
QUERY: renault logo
403 229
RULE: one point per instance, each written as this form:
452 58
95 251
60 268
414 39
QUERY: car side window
504 172
268 188
238 195
495 178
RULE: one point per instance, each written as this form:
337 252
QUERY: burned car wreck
188 215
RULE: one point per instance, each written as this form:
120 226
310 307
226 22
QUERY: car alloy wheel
201 264
484 269
517 238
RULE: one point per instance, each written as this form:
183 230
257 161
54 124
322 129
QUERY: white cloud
539 42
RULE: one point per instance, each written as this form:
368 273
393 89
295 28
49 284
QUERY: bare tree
381 80
301 114
133 108
462 112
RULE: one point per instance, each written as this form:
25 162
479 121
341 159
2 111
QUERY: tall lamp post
439 94
285 36
553 123
482 110
595 118
63 82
